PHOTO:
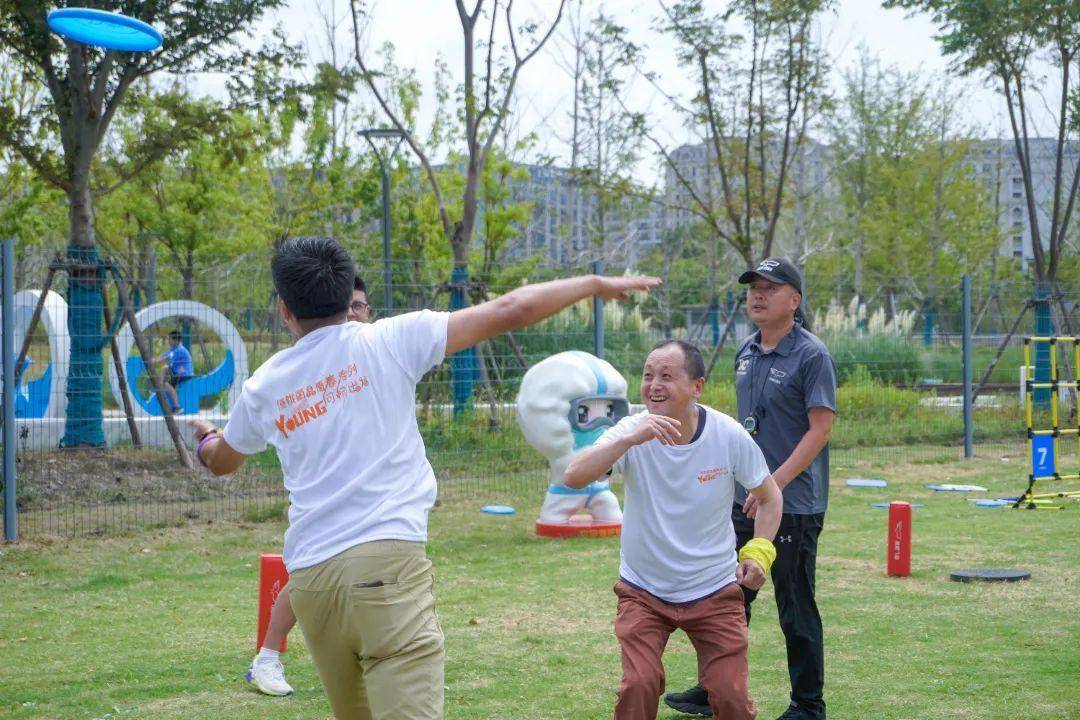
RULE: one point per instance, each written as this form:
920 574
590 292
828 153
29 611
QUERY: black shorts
174 379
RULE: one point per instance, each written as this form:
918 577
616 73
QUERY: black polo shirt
782 385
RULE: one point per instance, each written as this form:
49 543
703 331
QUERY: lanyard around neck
761 395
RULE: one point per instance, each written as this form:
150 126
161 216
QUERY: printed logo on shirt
712 474
744 364
301 417
331 382
777 376
311 402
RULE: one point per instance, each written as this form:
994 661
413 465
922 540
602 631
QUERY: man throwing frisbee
338 407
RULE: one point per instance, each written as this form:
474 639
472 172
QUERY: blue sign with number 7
1042 456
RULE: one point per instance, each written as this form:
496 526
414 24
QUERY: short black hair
358 285
693 362
313 276
175 335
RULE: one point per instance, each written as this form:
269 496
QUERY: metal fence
900 364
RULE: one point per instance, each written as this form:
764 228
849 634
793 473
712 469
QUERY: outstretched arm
532 303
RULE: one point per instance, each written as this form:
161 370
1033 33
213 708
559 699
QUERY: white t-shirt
678 542
339 407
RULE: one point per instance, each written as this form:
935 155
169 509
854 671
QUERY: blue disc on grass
992 503
885 505
112 31
948 487
865 483
498 510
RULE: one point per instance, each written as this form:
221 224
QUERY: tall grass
883 346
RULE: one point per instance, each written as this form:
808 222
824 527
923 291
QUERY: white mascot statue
565 403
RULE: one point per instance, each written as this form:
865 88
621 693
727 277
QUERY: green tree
30 211
759 79
503 219
61 135
759 82
604 143
913 217
209 198
1002 40
681 261
485 97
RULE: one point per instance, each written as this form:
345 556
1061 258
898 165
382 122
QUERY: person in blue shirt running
178 367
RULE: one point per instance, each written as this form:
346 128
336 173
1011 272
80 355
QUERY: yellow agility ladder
1045 446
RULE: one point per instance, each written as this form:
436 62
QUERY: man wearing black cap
785 382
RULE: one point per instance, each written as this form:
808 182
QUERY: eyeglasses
359 306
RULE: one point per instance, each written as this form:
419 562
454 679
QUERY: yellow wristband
760 551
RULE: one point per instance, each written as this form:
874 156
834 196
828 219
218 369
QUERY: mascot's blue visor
597 411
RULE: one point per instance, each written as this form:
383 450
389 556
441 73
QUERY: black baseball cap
777 270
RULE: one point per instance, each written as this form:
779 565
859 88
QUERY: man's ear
283 310
699 387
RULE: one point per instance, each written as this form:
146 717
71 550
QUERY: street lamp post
371 134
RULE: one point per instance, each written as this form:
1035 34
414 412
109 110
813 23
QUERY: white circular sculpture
564 404
232 372
46 396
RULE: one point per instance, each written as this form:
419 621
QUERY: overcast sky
420 29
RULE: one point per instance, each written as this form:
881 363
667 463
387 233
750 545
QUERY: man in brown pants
339 408
678 567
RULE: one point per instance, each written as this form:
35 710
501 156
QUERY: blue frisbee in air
108 30
498 510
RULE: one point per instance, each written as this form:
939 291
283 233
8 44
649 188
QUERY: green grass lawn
161 624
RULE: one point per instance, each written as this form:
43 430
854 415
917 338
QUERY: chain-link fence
96 453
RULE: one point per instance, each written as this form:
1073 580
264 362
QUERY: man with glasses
785 383
359 309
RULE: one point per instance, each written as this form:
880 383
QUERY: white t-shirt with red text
678 542
339 408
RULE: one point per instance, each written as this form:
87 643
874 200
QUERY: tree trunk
84 424
189 278
462 364
859 265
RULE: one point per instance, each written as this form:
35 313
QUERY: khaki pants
717 628
368 615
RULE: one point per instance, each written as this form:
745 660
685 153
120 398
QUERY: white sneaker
269 677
